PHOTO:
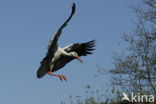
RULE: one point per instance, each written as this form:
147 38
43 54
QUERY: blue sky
25 29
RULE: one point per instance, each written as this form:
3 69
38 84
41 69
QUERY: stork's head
75 55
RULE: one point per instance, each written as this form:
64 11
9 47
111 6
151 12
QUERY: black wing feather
82 49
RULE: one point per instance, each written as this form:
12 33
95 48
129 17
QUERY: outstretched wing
52 47
53 42
82 49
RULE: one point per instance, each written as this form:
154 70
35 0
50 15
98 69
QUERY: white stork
57 57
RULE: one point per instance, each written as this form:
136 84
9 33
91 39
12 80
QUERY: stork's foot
60 76
64 78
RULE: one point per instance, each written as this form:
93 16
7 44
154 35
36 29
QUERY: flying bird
56 57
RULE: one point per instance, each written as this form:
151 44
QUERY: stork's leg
60 76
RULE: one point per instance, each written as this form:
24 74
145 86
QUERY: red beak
79 59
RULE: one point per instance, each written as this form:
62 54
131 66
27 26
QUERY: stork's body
57 57
60 58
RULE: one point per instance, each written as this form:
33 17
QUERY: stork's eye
75 54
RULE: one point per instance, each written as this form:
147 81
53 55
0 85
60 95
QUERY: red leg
60 76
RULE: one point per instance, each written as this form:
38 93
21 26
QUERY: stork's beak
79 59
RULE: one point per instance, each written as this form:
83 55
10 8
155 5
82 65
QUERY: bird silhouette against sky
56 57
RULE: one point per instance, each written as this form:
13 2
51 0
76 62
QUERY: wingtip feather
73 5
73 8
